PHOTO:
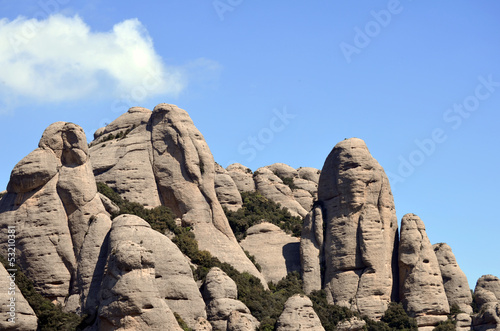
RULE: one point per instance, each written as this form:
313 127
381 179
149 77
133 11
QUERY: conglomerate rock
274 250
487 294
130 299
421 285
224 310
15 311
173 276
455 282
60 221
160 157
299 314
359 238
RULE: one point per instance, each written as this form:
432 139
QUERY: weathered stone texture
361 227
298 314
421 285
455 282
274 250
60 221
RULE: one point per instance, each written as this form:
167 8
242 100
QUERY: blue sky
282 81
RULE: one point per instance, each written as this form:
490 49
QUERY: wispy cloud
61 59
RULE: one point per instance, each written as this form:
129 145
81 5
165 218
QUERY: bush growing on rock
257 208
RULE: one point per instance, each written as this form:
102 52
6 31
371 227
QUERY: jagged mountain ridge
349 245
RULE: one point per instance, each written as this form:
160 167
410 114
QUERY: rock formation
14 306
122 157
272 187
221 294
455 282
242 177
226 190
173 277
360 235
274 250
164 152
298 314
60 220
311 250
487 294
130 299
421 285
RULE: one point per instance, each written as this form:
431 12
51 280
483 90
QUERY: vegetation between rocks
265 305
287 181
50 316
256 209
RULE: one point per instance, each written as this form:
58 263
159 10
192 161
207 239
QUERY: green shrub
397 319
265 305
287 181
256 208
448 325
181 323
50 316
329 315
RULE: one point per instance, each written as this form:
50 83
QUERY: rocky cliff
355 208
149 271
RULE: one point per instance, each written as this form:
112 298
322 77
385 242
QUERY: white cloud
61 59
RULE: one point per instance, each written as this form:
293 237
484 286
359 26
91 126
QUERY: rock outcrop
15 311
173 277
487 294
272 187
360 236
242 177
311 250
60 221
224 310
421 285
226 190
122 157
274 250
130 299
455 282
164 152
298 314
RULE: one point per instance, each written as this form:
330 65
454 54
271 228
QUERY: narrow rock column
421 285
360 235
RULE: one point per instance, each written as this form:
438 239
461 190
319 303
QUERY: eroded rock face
226 190
487 293
126 163
421 285
242 177
221 294
273 188
298 314
360 235
23 317
130 299
275 251
173 276
160 157
455 282
60 221
311 250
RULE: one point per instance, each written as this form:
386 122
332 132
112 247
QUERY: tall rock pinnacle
60 221
359 217
421 285
160 158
